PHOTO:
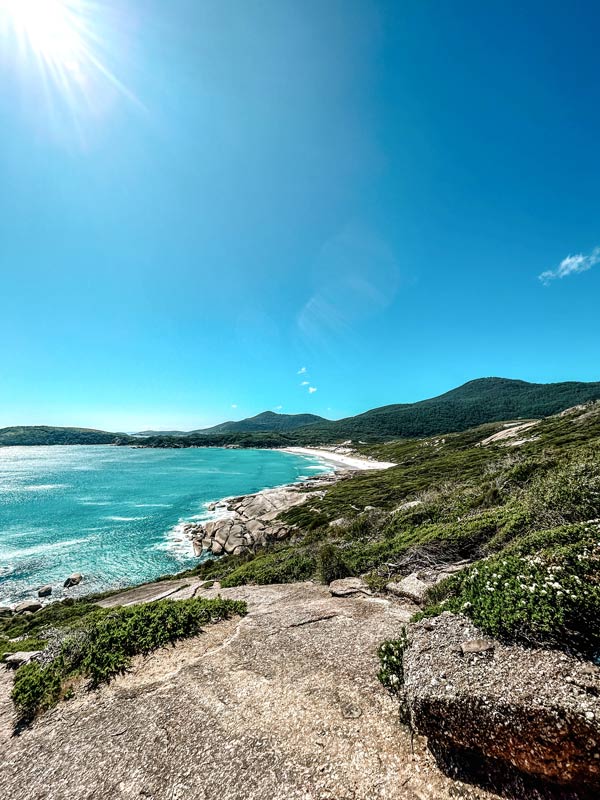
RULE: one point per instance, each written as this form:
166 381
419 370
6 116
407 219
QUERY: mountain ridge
265 421
474 403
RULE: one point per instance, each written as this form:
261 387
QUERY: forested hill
46 435
267 421
474 403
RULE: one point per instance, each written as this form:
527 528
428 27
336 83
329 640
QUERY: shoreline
249 521
258 509
339 460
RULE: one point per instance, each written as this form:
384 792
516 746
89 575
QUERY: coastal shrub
125 632
35 689
104 646
391 658
375 581
65 612
547 596
568 493
331 565
31 643
280 566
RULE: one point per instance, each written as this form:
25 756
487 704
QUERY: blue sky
215 194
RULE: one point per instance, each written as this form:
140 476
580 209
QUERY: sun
69 48
53 31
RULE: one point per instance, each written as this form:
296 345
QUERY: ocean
112 513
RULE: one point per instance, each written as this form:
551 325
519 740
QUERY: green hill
45 435
160 433
267 421
474 403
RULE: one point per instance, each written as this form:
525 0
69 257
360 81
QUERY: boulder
522 711
14 660
45 591
346 587
477 646
5 611
30 606
234 542
73 580
410 587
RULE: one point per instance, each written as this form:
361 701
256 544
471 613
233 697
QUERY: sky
211 208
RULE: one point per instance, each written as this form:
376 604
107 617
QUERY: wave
39 549
124 519
34 487
151 505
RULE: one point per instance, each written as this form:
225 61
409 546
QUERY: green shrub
375 581
281 566
7 646
35 689
125 632
331 565
551 596
391 657
568 493
104 646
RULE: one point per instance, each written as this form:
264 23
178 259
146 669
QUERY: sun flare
67 47
54 30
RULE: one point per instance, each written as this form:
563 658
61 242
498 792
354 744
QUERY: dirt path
283 703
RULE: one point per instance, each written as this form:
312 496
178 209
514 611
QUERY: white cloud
571 265
234 405
302 371
278 408
304 383
312 389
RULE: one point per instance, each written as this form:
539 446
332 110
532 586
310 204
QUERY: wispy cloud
277 408
571 265
312 389
234 405
304 383
302 371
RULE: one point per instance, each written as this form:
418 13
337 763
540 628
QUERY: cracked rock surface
534 710
283 704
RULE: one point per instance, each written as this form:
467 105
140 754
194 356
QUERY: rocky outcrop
73 580
533 711
346 587
28 606
411 587
5 611
14 660
45 591
250 521
414 587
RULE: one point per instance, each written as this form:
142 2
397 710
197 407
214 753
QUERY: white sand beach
340 460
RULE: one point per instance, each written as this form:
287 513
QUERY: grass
100 644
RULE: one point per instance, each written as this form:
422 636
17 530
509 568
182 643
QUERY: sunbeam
68 45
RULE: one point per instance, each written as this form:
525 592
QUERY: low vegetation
97 644
523 514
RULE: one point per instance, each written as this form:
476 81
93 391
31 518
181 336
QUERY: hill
267 421
47 435
160 433
474 403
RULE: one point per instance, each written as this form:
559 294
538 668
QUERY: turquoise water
112 513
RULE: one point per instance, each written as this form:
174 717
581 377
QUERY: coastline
339 460
247 522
